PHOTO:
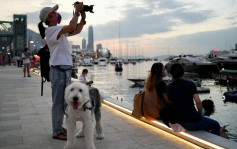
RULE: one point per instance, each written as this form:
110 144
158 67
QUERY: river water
117 85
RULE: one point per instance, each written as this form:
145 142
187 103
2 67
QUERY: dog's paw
90 147
100 136
68 147
80 134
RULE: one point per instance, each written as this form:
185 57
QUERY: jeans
205 123
58 80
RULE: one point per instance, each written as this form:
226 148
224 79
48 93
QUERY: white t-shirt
27 60
60 53
82 79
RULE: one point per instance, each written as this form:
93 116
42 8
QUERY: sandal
65 130
60 136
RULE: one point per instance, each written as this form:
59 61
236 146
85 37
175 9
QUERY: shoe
61 136
65 130
24 76
28 76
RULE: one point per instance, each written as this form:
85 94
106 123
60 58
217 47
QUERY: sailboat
119 63
125 61
134 59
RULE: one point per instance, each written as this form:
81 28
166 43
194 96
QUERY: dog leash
85 107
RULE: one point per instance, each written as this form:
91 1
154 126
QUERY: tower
83 44
20 33
90 39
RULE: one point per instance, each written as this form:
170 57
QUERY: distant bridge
17 31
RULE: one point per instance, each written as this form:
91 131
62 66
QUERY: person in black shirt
181 93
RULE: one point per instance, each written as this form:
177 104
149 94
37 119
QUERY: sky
144 27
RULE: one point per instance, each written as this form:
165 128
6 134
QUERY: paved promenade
25 120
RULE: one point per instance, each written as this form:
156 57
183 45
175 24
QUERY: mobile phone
226 125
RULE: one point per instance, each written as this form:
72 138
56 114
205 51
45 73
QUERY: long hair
155 76
41 29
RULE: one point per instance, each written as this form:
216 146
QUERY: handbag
138 105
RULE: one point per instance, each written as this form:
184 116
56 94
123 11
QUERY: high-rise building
20 33
83 44
90 46
99 46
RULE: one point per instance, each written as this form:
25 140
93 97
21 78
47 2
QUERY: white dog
83 106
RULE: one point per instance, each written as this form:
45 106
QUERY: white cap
45 12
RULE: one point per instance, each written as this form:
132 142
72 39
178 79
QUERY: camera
86 7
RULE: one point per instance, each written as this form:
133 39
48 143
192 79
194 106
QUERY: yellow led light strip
183 135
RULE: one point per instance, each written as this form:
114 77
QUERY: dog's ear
67 91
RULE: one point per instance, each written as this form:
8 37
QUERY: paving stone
10 140
9 118
10 128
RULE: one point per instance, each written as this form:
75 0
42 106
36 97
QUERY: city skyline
156 27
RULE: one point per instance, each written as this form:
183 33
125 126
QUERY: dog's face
76 94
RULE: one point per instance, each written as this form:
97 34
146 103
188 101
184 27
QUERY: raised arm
73 23
79 25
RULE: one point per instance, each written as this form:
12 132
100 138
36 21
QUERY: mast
120 55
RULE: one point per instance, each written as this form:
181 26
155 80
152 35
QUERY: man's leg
205 123
24 70
28 70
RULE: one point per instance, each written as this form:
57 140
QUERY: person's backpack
44 55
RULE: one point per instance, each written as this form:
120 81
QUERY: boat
133 62
203 68
125 61
226 77
119 66
102 61
140 82
224 59
230 96
79 62
87 61
113 60
137 80
95 61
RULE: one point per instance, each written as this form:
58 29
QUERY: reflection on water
116 85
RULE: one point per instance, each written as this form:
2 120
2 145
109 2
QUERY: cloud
167 4
191 17
203 42
138 21
33 17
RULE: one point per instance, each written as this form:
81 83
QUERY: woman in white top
60 58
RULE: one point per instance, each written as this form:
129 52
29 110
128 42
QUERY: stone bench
200 138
